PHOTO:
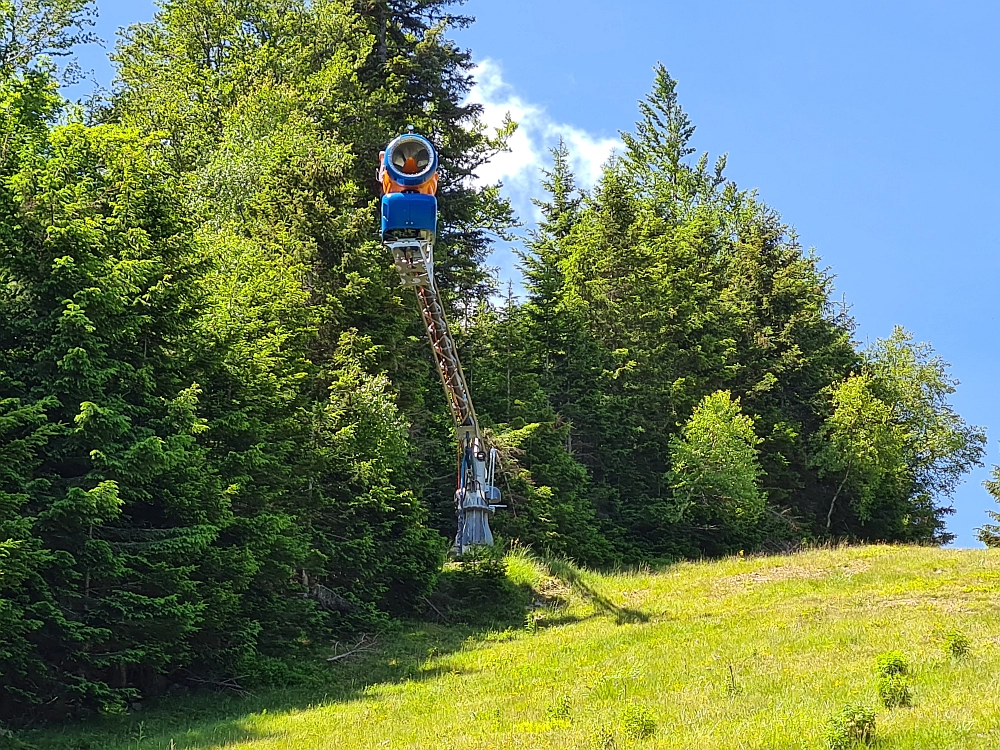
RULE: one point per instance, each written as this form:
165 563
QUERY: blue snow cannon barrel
411 163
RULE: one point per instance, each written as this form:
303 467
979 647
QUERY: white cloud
520 168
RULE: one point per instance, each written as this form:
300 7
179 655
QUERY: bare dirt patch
742 581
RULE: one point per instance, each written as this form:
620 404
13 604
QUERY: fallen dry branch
440 614
363 646
228 684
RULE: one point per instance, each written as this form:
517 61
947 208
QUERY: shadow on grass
569 573
198 730
473 603
476 604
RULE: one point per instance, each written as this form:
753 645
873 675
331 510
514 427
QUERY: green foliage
37 30
939 447
207 480
477 591
893 690
663 286
714 468
957 644
277 112
547 493
861 444
891 684
638 722
666 285
891 663
223 440
852 726
119 499
989 533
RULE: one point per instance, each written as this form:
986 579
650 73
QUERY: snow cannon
409 179
408 175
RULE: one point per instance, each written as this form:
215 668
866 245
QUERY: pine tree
989 533
98 307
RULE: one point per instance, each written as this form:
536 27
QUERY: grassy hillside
740 653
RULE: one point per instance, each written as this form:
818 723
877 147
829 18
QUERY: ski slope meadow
747 652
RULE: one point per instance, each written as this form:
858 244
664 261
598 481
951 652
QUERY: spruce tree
98 306
989 533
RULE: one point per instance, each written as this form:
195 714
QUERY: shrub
891 663
486 562
638 722
891 670
957 644
560 709
854 725
893 690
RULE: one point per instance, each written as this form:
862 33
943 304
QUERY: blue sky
872 128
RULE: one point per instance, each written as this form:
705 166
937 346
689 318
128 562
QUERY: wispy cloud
519 169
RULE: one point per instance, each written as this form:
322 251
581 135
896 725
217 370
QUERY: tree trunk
383 23
829 515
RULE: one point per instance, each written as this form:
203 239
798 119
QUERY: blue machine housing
409 212
410 180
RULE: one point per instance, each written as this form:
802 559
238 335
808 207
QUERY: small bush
638 722
478 592
854 725
957 644
891 670
893 690
486 562
891 663
560 709
531 621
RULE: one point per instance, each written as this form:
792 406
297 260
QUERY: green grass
754 653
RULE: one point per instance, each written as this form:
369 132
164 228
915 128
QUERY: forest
222 438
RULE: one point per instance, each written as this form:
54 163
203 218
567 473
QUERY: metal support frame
414 260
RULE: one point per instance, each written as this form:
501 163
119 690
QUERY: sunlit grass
749 653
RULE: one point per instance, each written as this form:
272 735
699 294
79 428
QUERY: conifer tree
97 312
989 533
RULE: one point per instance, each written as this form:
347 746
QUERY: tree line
222 436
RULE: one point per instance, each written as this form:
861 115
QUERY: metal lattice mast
409 222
